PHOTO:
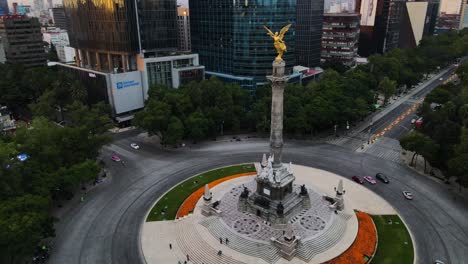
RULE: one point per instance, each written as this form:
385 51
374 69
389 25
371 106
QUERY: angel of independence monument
272 210
274 199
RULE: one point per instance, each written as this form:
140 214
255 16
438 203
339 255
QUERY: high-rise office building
339 6
450 15
110 34
309 32
340 37
412 24
184 28
388 19
123 47
431 16
367 10
231 42
22 40
380 25
464 15
58 17
3 7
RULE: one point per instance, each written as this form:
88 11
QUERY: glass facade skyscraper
230 40
309 32
109 33
3 7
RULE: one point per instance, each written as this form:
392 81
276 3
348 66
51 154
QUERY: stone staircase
190 242
265 251
308 249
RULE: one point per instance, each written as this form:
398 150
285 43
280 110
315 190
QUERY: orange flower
364 244
189 204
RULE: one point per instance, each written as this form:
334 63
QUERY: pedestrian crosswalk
352 142
385 148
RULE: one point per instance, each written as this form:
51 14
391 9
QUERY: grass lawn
394 241
174 199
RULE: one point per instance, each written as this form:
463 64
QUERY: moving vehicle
438 262
382 177
115 158
441 79
357 179
134 146
369 179
408 195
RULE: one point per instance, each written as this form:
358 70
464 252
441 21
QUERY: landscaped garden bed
168 206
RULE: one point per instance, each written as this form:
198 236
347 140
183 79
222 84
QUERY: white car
134 146
441 79
408 195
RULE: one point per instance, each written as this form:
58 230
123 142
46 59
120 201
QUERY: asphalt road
405 125
105 228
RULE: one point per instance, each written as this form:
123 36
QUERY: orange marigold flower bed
189 204
364 244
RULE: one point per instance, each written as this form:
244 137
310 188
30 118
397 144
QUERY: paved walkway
187 236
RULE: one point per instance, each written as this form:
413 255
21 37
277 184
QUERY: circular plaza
232 233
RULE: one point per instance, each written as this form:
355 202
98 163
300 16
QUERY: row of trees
60 159
203 110
194 111
443 138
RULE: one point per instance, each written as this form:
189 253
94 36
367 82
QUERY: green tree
24 221
414 142
154 118
197 126
175 130
388 88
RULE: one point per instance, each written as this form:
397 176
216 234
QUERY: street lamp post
222 128
335 126
368 132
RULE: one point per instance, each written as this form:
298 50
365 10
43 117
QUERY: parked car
408 195
357 179
441 79
369 179
382 177
134 146
115 158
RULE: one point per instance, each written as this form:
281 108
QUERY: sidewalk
394 104
437 176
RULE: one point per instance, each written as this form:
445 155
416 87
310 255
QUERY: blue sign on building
125 84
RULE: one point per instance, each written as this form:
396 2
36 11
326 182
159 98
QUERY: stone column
278 82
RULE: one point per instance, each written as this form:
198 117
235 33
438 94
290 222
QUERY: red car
357 179
115 158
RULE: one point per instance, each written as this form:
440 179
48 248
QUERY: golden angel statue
280 45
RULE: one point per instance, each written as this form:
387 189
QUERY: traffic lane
382 123
434 84
128 203
402 128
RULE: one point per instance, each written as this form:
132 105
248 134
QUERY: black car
382 177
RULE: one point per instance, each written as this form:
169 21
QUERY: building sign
125 84
266 191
